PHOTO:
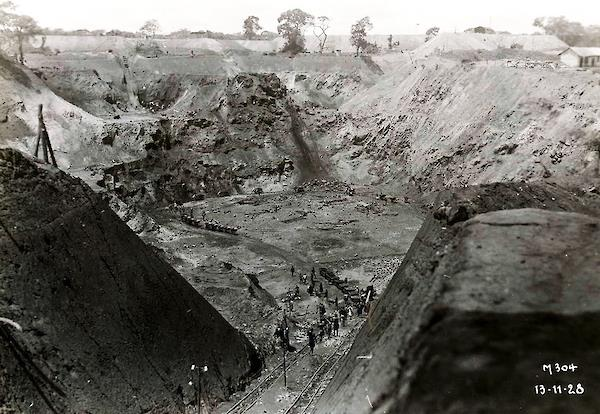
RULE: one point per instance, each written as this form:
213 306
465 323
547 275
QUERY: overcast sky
388 16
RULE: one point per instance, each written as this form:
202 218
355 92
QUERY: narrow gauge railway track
252 396
316 385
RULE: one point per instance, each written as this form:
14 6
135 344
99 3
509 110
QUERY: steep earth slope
107 325
441 123
219 136
478 307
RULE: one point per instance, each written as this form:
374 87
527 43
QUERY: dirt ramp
473 314
107 325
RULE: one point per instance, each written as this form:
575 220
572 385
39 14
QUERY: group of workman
328 325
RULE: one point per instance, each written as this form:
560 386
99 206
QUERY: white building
583 57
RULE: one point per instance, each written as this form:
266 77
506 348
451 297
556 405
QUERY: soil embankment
478 306
108 326
440 124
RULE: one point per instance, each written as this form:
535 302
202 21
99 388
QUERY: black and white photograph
299 207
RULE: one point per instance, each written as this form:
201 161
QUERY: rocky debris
321 184
477 309
108 326
214 137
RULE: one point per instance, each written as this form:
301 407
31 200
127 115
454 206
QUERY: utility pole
285 343
199 385
198 390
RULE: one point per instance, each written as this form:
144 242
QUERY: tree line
16 29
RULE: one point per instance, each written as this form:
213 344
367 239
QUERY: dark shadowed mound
478 307
107 325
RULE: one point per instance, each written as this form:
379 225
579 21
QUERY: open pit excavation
299 222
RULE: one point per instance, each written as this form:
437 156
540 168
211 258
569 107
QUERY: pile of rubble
324 185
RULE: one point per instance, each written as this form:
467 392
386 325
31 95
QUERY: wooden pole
37 143
198 390
43 136
45 149
50 148
285 345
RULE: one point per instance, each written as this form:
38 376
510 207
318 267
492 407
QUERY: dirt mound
103 43
343 43
447 42
107 325
476 310
510 55
461 204
443 124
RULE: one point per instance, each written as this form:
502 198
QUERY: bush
148 48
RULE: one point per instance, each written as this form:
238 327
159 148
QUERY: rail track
317 383
252 396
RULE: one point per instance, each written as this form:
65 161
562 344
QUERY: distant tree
291 26
17 27
117 32
569 32
358 33
180 34
268 35
431 33
150 28
320 27
251 27
481 29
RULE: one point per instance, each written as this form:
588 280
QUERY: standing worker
336 325
292 270
311 340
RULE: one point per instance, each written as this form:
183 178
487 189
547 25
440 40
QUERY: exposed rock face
246 134
472 315
109 324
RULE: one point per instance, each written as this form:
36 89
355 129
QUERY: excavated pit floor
358 237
